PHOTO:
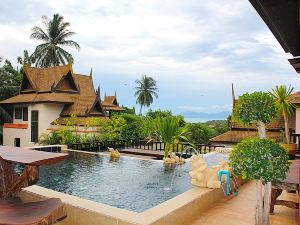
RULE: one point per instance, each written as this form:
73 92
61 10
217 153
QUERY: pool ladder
227 190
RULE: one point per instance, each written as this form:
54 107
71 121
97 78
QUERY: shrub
200 133
111 129
258 106
259 159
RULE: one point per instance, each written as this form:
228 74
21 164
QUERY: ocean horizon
201 120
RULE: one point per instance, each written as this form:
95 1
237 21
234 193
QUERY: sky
194 49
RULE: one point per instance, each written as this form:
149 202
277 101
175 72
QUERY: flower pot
291 149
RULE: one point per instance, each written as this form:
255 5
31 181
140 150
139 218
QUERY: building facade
48 95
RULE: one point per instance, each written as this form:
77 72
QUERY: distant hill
208 116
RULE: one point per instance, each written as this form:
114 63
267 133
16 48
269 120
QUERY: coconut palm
168 130
281 95
145 90
54 37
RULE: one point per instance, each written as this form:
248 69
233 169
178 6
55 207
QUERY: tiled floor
240 210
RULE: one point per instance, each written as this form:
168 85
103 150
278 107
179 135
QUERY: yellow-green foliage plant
258 108
168 130
281 95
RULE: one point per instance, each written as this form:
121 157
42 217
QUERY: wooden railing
181 148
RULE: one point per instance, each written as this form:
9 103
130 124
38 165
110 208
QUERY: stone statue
202 176
114 153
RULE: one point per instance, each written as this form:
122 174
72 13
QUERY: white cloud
189 47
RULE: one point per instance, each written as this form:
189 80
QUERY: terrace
191 206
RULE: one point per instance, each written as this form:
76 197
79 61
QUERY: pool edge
179 210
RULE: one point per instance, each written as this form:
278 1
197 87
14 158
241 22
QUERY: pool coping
184 207
179 210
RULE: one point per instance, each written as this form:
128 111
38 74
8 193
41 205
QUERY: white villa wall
47 113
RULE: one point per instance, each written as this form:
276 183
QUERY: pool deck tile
240 210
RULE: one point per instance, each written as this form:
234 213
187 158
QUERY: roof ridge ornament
91 72
70 62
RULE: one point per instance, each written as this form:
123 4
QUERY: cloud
192 48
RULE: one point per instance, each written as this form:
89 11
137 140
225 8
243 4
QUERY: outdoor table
291 182
11 182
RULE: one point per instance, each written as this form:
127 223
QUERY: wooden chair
14 212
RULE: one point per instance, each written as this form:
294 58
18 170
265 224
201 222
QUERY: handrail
180 148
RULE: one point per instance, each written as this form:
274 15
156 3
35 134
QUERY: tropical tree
10 79
259 108
281 95
145 90
168 130
262 160
24 60
54 37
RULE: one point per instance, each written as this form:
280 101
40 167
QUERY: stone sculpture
174 159
202 176
114 153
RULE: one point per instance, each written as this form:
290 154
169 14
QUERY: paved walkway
240 210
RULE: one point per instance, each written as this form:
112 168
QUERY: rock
202 176
174 159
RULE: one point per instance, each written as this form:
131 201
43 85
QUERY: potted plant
262 160
281 95
258 108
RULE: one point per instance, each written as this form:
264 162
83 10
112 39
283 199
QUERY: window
18 113
25 113
21 113
17 142
34 126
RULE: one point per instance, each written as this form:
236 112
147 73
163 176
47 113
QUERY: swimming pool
128 183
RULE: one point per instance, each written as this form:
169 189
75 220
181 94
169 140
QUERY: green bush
132 127
258 106
111 129
259 159
200 133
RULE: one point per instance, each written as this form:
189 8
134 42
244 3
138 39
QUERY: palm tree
281 95
145 90
50 52
168 130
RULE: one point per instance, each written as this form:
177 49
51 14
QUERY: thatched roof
110 103
59 84
236 136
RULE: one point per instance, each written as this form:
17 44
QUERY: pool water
128 183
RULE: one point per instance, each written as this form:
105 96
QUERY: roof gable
66 84
111 100
43 79
27 85
96 108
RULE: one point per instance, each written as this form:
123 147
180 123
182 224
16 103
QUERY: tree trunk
286 127
167 148
141 110
259 203
261 128
267 201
